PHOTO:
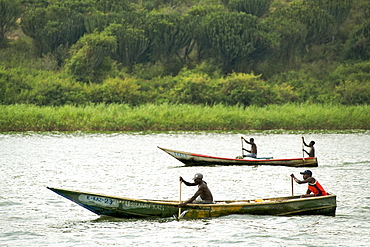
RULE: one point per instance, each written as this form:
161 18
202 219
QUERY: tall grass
166 117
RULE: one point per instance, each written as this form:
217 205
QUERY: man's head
198 177
306 173
251 140
311 144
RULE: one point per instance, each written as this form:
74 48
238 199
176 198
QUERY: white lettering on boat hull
98 201
132 205
180 155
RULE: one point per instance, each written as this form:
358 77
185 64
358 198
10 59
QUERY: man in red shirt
313 185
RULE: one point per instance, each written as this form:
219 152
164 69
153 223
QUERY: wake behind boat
192 159
123 207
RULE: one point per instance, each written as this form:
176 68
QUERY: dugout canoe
123 207
192 159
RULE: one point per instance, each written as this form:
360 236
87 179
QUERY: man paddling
203 191
253 151
313 185
312 149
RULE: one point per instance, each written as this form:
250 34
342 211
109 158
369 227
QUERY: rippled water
131 165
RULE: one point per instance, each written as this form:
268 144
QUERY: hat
198 175
308 172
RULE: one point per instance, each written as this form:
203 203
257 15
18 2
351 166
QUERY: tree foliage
338 9
230 36
194 52
52 27
358 46
131 43
89 55
318 23
167 34
253 7
10 11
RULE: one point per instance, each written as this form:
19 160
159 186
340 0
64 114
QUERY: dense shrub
193 89
115 90
245 89
353 92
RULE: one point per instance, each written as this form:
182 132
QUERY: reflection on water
131 165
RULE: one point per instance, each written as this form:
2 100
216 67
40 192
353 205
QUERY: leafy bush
148 71
353 92
246 89
12 84
115 90
283 93
193 88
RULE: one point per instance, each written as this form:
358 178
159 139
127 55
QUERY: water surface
131 165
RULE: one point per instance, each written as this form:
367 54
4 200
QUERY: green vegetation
82 54
166 117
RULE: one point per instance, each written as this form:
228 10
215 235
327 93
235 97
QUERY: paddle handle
180 199
180 191
242 147
292 184
302 151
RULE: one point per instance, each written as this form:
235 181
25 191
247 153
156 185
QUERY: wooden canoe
123 207
192 159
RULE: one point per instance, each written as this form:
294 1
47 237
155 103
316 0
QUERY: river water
131 165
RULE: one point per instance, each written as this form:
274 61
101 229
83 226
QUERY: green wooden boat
123 207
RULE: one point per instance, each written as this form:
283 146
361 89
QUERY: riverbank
167 117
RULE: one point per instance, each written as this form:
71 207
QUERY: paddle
242 147
303 150
181 214
292 186
180 199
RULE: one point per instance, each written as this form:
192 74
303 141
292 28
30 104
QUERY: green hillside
230 52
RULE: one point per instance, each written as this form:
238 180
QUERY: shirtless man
253 151
203 190
313 185
312 149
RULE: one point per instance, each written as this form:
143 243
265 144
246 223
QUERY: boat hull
191 159
123 207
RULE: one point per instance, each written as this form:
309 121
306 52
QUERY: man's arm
308 180
245 140
193 197
187 183
304 143
199 191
